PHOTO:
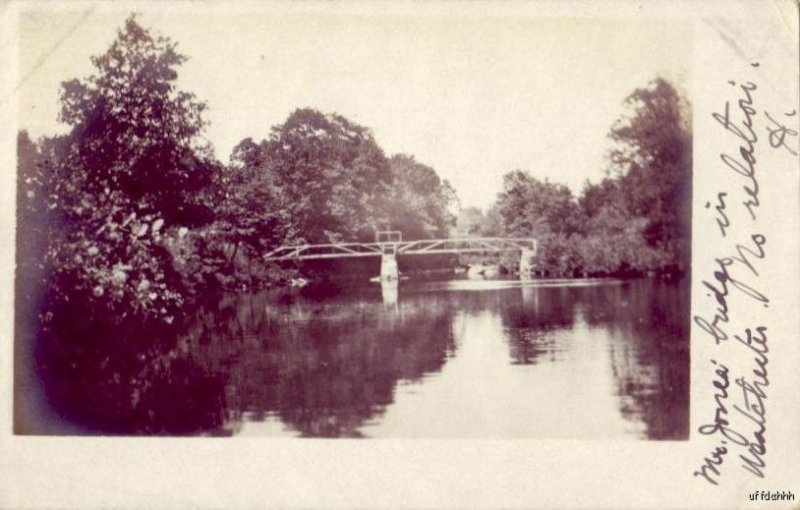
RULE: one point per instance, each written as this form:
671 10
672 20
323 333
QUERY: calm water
455 359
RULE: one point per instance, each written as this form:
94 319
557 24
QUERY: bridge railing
465 245
418 247
325 251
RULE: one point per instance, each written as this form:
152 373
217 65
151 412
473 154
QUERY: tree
635 220
653 164
32 223
530 207
615 244
331 173
417 201
136 133
251 218
470 223
492 225
123 184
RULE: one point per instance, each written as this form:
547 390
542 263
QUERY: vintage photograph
302 225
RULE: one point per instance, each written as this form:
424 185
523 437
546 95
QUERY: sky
472 97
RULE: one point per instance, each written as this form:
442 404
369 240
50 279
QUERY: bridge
389 245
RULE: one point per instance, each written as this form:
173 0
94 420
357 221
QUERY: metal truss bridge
420 247
388 250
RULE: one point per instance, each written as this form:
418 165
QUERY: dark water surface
455 358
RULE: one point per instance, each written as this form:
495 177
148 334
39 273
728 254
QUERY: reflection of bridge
388 250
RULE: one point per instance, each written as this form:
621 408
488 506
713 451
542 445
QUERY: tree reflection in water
649 351
323 366
530 322
327 362
120 379
651 355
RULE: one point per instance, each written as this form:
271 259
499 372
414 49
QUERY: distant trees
470 222
635 220
416 202
529 207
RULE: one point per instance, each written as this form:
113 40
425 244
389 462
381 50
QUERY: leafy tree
251 218
331 173
317 178
123 184
595 196
418 202
529 207
559 254
103 213
635 220
135 132
492 225
615 244
653 164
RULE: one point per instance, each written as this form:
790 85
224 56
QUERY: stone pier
526 263
389 267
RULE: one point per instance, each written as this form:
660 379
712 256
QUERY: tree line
130 215
635 221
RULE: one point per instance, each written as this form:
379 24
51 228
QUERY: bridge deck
419 247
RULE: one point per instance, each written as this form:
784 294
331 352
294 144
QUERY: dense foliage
418 203
634 221
321 178
108 199
130 213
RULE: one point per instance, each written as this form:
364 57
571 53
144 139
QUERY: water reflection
101 379
390 292
431 359
323 367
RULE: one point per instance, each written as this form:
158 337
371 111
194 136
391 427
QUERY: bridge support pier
526 263
389 267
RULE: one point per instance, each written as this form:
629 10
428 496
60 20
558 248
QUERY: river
453 358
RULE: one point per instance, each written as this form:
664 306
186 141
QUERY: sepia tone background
472 473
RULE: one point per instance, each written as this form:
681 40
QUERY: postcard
400 255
